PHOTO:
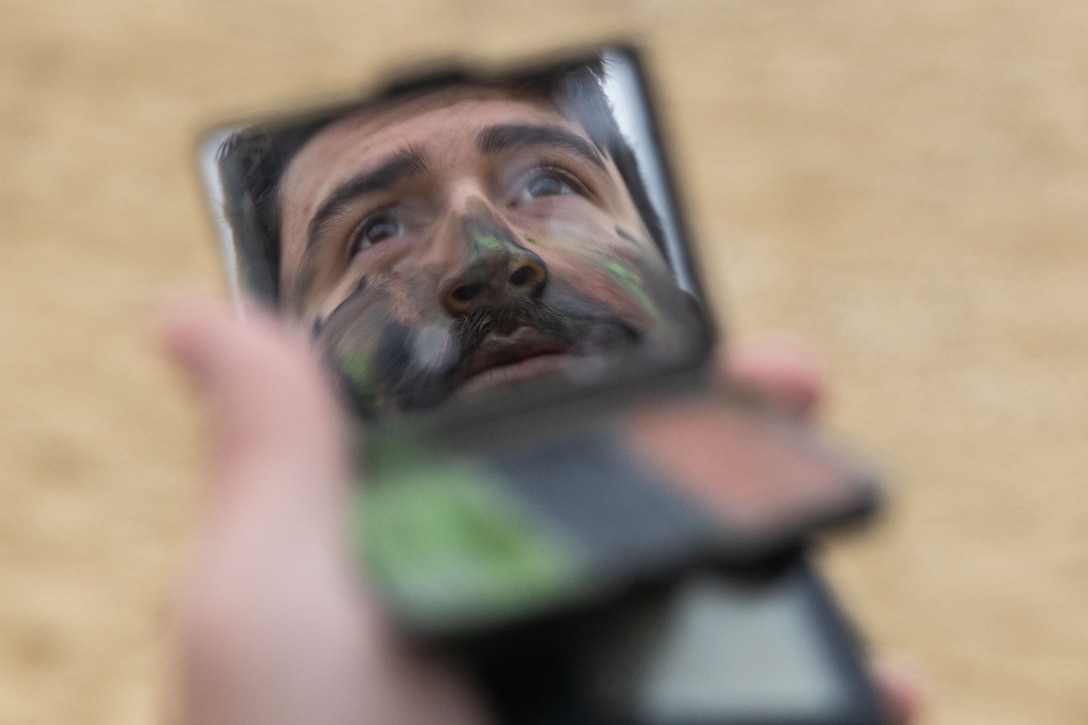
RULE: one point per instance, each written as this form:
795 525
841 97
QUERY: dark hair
252 161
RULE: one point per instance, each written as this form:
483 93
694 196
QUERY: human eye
546 181
375 227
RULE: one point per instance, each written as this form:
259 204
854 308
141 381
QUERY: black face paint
482 231
393 358
629 237
379 362
391 364
320 323
366 378
497 265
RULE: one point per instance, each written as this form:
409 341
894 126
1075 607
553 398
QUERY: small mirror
464 235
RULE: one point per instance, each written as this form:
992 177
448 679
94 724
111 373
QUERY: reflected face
465 241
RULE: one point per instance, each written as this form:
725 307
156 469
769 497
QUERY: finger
274 625
269 586
780 371
901 690
273 420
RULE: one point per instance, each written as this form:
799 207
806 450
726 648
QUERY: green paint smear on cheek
356 370
452 550
630 282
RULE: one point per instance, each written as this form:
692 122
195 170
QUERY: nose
497 270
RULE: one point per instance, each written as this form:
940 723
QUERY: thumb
274 625
780 371
274 422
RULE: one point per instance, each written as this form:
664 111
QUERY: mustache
382 364
471 331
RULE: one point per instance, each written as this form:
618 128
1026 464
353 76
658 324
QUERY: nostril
529 278
521 276
494 281
466 292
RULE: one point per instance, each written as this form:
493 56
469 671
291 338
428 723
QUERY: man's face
465 241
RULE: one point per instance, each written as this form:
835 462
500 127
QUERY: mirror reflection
462 234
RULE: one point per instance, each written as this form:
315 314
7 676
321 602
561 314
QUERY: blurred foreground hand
274 625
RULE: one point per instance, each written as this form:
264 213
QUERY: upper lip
522 344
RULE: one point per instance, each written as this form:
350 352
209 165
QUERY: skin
492 243
273 625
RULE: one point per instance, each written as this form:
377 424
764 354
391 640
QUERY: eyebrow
513 137
391 171
410 162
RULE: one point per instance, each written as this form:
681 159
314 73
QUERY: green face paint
488 242
358 371
451 546
630 282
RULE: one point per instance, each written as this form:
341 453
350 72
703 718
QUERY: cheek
353 338
592 261
374 337
604 285
328 279
403 292
632 282
572 234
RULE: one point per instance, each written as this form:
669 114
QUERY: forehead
442 121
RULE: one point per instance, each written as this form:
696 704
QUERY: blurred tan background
904 184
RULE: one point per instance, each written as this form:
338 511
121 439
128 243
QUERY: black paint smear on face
387 365
402 384
365 329
629 237
320 323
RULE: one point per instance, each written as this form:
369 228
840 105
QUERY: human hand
274 625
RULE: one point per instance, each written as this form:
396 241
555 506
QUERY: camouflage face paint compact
466 540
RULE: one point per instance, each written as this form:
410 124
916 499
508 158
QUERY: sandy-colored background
905 184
